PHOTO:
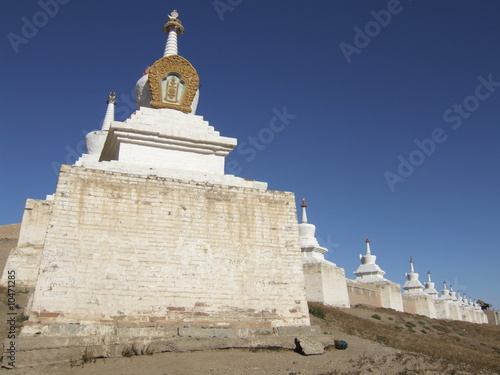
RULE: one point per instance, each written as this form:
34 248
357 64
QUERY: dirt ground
236 362
363 356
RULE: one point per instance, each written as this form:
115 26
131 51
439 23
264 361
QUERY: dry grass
464 343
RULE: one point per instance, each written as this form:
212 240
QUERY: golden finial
173 23
111 98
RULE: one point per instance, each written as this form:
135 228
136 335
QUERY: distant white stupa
412 284
429 286
312 252
369 271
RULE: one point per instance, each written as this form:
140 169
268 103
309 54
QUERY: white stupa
412 285
453 294
369 271
312 252
324 282
445 293
429 286
460 299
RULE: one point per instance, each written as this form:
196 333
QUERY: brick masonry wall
152 250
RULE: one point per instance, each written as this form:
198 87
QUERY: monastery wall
421 304
493 317
442 309
391 295
326 283
383 294
25 258
150 250
363 294
455 311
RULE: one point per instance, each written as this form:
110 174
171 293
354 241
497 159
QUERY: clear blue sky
364 90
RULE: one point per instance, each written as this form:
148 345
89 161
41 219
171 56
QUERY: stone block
307 346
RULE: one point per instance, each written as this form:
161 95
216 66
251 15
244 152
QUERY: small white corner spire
304 213
368 251
110 111
412 269
172 28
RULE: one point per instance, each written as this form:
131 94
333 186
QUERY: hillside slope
9 235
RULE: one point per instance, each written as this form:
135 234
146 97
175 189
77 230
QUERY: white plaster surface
379 294
167 143
421 304
326 283
133 248
95 142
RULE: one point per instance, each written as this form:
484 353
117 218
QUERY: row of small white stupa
371 288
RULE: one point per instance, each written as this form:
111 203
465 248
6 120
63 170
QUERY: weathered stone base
67 346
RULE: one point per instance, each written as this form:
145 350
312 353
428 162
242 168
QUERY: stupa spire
312 252
110 111
368 251
412 270
304 213
171 82
172 28
453 294
460 299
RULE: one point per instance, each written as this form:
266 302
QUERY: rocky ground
381 341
